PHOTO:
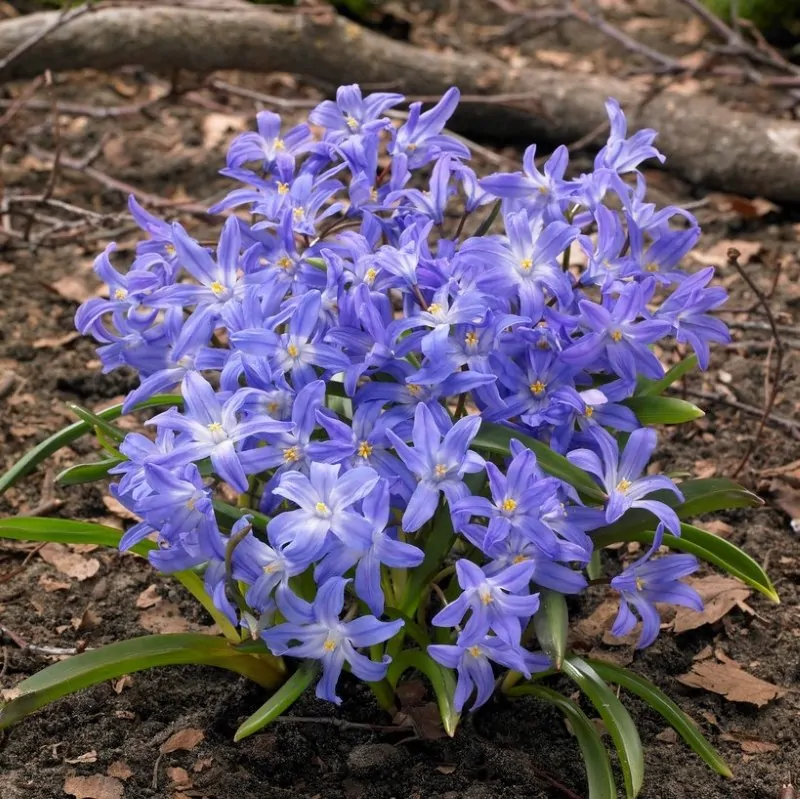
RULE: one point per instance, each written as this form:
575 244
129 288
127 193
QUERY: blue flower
439 464
314 630
621 477
648 581
352 114
620 153
267 146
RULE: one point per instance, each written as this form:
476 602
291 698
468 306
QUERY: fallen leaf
718 254
119 769
718 527
757 747
122 683
128 715
76 289
54 342
119 510
733 683
617 657
720 595
598 622
202 764
692 33
185 740
555 58
179 777
148 598
98 786
787 499
446 768
744 207
427 721
50 584
69 563
86 757
10 694
164 618
216 128
668 736
88 620
705 468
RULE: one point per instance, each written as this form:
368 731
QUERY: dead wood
705 142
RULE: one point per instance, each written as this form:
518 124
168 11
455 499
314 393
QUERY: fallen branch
706 142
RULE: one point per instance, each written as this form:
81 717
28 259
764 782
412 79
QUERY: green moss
766 14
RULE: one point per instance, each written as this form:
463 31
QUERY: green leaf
227 515
701 496
599 775
617 720
63 438
662 704
410 627
663 410
495 438
551 624
280 701
484 226
67 531
126 657
87 472
706 546
114 433
650 388
442 681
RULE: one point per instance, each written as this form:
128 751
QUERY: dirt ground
115 733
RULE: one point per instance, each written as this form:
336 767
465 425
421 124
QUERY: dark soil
508 749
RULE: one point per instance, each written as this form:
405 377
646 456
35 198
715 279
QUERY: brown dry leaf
718 254
202 764
718 527
86 757
446 768
427 721
596 624
758 747
787 499
185 740
98 786
164 618
705 468
119 769
76 289
128 715
555 58
729 681
122 683
50 584
5 269
216 128
617 657
69 563
119 510
692 33
720 595
88 620
148 598
744 207
668 736
179 777
54 342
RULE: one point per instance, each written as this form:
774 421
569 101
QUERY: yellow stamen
639 584
290 455
292 351
414 389
298 214
352 122
365 449
617 335
651 267
285 262
370 275
519 559
589 412
272 407
329 645
475 651
283 188
120 294
190 503
215 427
486 597
280 144
440 470
271 568
526 264
471 339
321 507
217 288
537 388
623 485
434 308
509 505
170 249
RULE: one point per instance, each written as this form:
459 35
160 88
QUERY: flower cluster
343 357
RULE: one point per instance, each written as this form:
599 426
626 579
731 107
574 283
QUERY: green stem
385 695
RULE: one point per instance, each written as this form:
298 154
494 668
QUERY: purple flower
325 500
211 429
314 630
367 555
646 582
496 603
353 114
621 477
473 662
268 146
438 463
620 153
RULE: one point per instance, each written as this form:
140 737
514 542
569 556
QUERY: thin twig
23 100
733 260
343 724
785 422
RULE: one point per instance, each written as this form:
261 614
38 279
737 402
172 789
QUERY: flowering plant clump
433 395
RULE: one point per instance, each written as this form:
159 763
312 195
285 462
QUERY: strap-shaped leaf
441 679
495 438
86 472
280 701
599 775
112 432
649 388
616 718
63 438
551 623
67 531
706 546
700 496
126 657
663 410
662 704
